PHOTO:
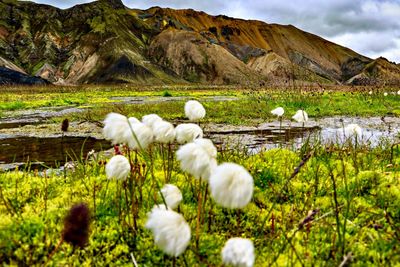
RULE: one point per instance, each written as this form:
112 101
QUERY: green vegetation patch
310 207
244 108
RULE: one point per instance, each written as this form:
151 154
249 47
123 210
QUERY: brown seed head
64 125
76 225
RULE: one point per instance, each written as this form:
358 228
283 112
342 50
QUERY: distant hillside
12 77
106 42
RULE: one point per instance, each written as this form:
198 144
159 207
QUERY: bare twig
301 164
346 259
309 218
134 260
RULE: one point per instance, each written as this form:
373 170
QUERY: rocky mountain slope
12 77
106 42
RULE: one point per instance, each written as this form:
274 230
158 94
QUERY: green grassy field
252 106
313 206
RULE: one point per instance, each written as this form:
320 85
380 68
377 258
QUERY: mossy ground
353 190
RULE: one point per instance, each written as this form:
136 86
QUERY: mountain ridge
106 42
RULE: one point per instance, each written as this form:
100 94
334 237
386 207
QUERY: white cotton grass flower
70 166
278 111
188 132
300 116
170 230
398 92
196 160
172 195
231 185
138 136
353 130
151 119
385 94
194 110
164 132
133 120
238 252
114 126
370 92
208 146
118 168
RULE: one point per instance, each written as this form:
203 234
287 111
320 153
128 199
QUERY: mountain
106 42
12 77
376 72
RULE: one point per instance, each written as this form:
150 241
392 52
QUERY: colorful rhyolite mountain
106 42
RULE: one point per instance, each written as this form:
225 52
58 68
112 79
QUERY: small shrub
166 93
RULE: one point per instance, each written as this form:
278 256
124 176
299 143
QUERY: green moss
272 166
192 77
37 67
32 208
98 25
13 105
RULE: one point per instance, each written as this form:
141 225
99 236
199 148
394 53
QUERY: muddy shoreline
47 144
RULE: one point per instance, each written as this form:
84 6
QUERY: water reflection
50 151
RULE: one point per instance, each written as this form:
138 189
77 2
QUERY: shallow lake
55 150
375 130
50 151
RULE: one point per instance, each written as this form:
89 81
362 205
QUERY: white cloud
61 3
372 45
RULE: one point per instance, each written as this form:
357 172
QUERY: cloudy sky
370 27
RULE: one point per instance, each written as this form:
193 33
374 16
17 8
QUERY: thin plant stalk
54 251
163 162
199 202
204 203
336 208
170 162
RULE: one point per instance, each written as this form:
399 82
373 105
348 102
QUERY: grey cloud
353 22
334 24
381 46
327 18
371 43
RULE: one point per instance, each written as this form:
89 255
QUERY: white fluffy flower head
114 127
172 195
300 116
170 230
133 120
278 111
194 110
187 132
118 168
353 130
238 252
196 160
140 136
207 145
385 94
151 119
164 132
231 185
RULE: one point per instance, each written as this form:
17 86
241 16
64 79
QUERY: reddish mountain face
106 42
